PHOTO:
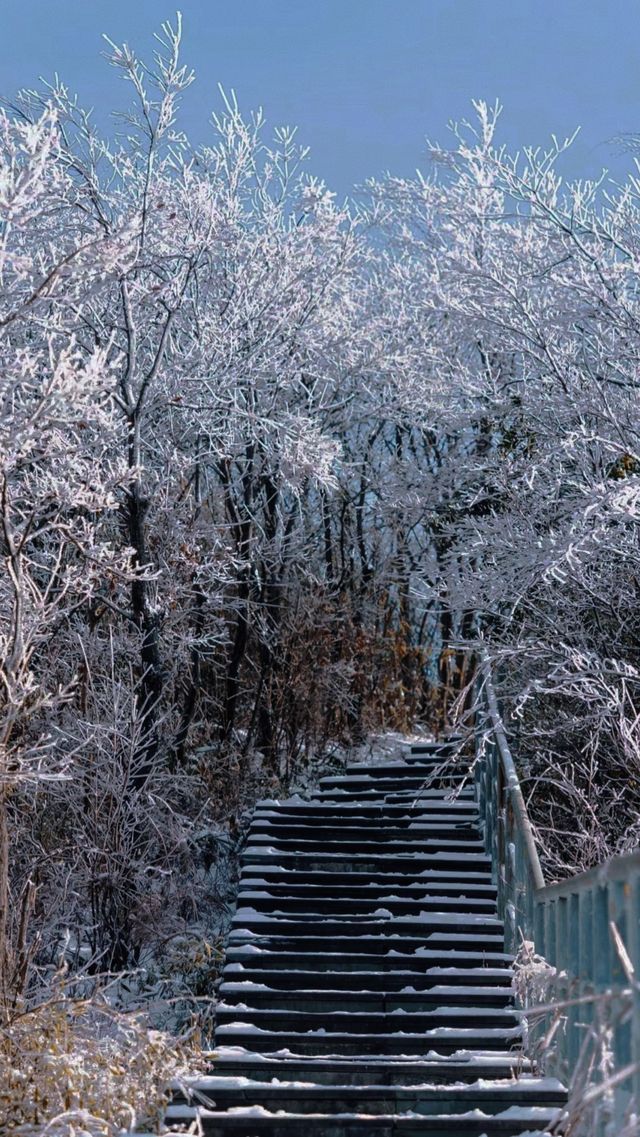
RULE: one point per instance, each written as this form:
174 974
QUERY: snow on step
255 1120
366 989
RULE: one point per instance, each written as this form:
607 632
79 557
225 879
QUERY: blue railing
587 928
507 829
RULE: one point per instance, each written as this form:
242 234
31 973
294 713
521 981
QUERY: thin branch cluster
270 466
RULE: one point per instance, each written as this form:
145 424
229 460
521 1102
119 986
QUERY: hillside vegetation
270 468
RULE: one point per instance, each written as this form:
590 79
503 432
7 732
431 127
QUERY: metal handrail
512 780
615 869
587 927
507 828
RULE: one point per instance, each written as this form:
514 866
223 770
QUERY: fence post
619 927
633 908
585 963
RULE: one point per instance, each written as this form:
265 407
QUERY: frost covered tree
59 486
526 295
185 357
271 466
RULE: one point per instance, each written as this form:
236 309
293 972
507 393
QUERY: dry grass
72 1067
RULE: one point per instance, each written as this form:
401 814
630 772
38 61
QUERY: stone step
429 807
363 943
261 996
317 842
469 1066
434 808
429 877
385 981
431 745
413 863
354 1022
400 793
353 820
442 1040
272 958
365 830
399 891
413 765
256 1122
265 901
439 777
448 739
377 1099
382 920
366 990
404 781
420 927
404 796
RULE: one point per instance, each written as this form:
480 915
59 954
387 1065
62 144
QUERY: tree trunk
152 673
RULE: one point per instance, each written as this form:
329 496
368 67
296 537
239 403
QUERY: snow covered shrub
537 985
177 981
71 1066
549 1008
594 1105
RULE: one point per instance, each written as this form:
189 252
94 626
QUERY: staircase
366 988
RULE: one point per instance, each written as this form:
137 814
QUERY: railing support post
587 927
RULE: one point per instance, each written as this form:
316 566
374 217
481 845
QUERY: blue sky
365 80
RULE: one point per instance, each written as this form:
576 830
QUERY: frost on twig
536 985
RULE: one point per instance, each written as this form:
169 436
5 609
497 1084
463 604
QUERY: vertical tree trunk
194 680
240 518
270 605
152 673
